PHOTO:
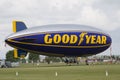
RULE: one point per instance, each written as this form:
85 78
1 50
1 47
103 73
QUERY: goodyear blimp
58 40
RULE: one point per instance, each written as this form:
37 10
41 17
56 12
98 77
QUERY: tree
34 57
10 57
53 59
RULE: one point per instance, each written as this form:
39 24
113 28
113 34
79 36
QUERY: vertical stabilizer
19 53
18 26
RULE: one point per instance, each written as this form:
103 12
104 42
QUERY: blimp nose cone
8 41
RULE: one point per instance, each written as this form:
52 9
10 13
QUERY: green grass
47 72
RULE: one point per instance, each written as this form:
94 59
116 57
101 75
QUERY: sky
102 14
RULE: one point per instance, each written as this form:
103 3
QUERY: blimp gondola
58 40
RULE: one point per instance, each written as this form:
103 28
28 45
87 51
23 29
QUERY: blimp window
29 40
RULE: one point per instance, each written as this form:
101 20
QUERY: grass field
48 72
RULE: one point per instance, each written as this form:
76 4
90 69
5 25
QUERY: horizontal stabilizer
18 26
19 53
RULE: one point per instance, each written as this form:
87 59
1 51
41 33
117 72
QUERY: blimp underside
61 40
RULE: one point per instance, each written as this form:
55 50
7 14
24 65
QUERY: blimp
58 40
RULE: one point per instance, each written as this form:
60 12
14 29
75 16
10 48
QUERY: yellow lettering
73 39
98 40
104 40
47 39
88 39
65 38
57 38
93 38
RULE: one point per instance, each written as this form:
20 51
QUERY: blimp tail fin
19 53
18 26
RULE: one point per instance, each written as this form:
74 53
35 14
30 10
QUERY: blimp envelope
61 40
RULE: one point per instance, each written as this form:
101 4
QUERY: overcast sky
102 14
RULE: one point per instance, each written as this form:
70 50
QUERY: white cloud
96 18
92 16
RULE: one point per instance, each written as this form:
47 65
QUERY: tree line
10 57
33 57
